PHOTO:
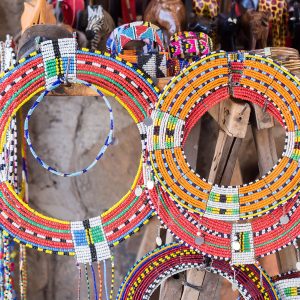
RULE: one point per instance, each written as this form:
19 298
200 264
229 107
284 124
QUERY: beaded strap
149 33
148 273
107 142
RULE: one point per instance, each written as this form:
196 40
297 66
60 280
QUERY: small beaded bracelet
148 273
107 142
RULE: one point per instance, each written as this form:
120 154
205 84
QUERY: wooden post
233 118
267 158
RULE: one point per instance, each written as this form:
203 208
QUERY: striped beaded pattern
133 90
89 241
197 88
188 44
269 234
102 150
242 233
149 33
59 59
148 273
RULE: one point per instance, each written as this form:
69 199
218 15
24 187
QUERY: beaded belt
148 273
89 239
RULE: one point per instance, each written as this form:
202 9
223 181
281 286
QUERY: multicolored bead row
148 273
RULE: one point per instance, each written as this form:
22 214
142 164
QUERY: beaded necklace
9 172
90 240
148 273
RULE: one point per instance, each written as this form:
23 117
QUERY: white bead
234 287
150 185
284 219
198 233
148 121
138 191
158 241
236 245
199 240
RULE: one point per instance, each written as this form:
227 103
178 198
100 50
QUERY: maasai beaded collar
107 142
189 44
148 273
288 285
149 33
220 239
88 238
193 92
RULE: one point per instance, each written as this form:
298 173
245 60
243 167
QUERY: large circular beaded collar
90 239
201 214
188 96
149 272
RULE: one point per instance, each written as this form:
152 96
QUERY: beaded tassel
87 281
100 280
79 281
112 277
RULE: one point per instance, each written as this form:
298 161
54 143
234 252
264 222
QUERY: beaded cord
79 281
105 279
134 91
100 279
148 273
112 277
107 142
95 283
87 282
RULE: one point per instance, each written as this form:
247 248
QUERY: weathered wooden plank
267 157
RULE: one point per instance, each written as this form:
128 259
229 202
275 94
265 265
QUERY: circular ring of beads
192 93
137 94
148 273
107 142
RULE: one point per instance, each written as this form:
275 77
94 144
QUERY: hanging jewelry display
149 272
